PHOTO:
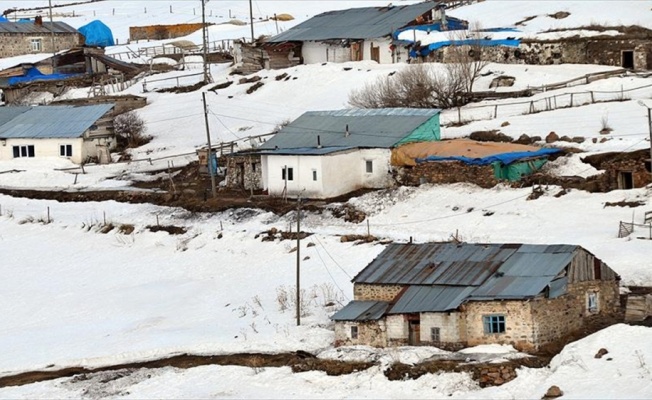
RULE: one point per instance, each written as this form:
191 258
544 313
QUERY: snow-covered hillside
73 295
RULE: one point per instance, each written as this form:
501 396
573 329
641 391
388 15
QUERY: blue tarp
3 19
425 50
505 158
451 25
500 30
97 34
34 74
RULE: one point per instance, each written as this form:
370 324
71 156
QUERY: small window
65 150
289 175
314 174
354 332
23 151
369 165
592 302
435 334
494 323
253 167
35 44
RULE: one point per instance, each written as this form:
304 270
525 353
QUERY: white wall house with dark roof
77 133
325 154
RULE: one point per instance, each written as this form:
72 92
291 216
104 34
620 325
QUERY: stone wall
363 291
447 172
244 172
122 103
609 180
518 323
452 329
370 333
16 44
160 32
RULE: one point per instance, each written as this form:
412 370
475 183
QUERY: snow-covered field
73 296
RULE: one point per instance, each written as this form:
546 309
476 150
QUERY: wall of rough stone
518 323
372 333
252 168
159 32
122 103
447 172
16 44
363 291
609 179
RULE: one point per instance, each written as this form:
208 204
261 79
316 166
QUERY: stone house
325 154
19 38
78 133
244 170
622 170
453 295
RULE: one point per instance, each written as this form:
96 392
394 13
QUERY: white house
368 33
78 133
325 154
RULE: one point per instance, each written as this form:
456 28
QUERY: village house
37 36
78 133
622 170
355 34
454 295
325 154
463 160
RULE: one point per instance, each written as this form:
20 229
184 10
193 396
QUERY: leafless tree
130 129
466 54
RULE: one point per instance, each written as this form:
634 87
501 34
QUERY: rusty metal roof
361 311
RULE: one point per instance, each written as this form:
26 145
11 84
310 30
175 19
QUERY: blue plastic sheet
505 158
97 34
34 74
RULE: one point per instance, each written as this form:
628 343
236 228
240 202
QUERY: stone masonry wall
16 44
556 318
372 333
159 32
250 166
518 323
609 179
375 292
447 172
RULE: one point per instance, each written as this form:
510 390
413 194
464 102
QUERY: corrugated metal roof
377 128
510 287
308 151
355 23
29 27
9 113
361 311
44 122
431 299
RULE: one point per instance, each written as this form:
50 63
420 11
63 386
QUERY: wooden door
375 53
414 332
356 54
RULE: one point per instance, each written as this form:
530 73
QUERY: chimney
38 20
346 133
318 142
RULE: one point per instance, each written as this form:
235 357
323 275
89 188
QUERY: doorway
375 53
356 54
625 180
414 331
628 59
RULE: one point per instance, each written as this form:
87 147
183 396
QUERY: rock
594 140
578 139
552 137
565 139
504 124
601 353
553 392
502 81
524 139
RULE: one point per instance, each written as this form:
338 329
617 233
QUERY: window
253 167
592 302
314 174
435 334
289 175
65 150
494 323
35 44
369 165
354 332
23 151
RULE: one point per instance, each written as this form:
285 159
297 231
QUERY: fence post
531 107
592 98
571 102
496 111
48 215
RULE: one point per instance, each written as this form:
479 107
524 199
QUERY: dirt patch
171 229
182 89
624 203
559 15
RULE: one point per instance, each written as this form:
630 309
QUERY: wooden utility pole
54 50
207 74
251 19
210 150
298 300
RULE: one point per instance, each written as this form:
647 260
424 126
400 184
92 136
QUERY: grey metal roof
42 122
9 113
431 299
510 287
355 23
361 311
308 151
30 27
371 128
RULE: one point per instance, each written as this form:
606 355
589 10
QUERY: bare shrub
126 229
605 128
130 130
282 298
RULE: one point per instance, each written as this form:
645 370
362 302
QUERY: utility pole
649 127
210 150
207 74
251 18
54 50
298 300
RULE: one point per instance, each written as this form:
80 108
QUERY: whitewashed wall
337 174
43 148
448 324
317 52
397 327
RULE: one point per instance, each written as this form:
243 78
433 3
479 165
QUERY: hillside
98 284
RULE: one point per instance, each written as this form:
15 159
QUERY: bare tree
466 54
130 129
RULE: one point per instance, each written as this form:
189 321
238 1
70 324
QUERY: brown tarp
407 154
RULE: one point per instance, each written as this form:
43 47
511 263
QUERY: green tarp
515 171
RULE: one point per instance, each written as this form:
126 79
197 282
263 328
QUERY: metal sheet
430 299
558 287
377 128
361 311
32 28
536 264
42 122
511 287
355 23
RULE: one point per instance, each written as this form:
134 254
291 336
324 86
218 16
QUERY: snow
73 296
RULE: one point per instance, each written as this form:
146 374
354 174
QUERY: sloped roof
367 128
30 27
361 311
47 122
355 23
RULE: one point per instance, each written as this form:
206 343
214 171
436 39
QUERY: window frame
65 150
36 44
24 151
314 175
592 297
435 334
355 332
287 174
494 324
369 166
